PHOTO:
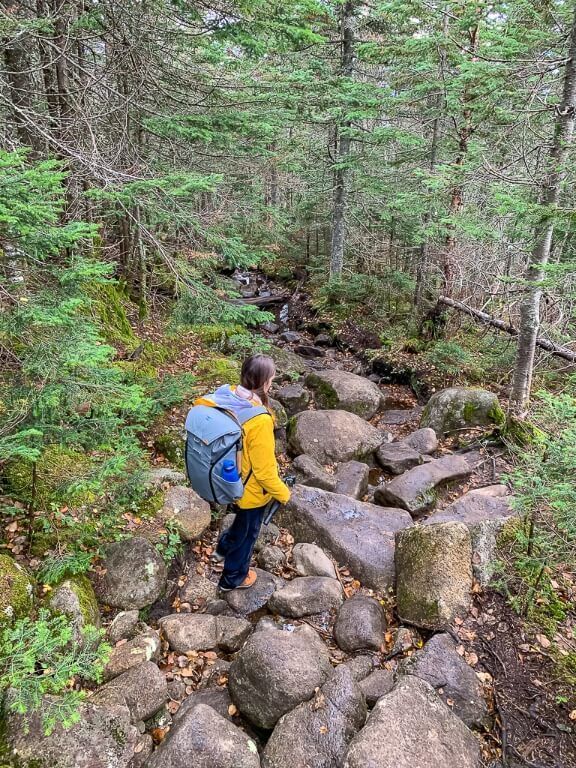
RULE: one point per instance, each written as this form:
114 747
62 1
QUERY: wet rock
274 672
198 589
203 632
376 685
346 391
204 739
311 472
310 560
216 697
247 601
271 558
143 690
433 574
422 441
144 647
410 727
306 595
135 574
460 408
184 509
360 624
333 436
316 733
294 397
352 479
308 350
356 534
123 627
455 682
415 489
74 597
397 457
99 731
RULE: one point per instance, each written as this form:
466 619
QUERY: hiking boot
248 582
216 558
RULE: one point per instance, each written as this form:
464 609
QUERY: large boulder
440 665
316 733
397 457
433 574
215 696
103 736
198 590
204 739
16 591
415 490
356 534
311 472
75 598
333 436
360 624
135 574
423 441
411 727
306 595
345 391
310 560
352 479
461 408
274 672
248 601
184 509
143 690
294 398
202 632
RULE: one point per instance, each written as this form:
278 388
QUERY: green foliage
59 566
174 390
37 658
214 370
170 544
449 357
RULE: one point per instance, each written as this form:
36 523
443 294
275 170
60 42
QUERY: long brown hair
256 370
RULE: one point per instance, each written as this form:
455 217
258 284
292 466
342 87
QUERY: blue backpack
213 436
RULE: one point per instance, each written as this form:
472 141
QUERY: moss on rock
75 597
16 591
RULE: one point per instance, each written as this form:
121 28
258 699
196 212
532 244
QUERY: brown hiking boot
248 582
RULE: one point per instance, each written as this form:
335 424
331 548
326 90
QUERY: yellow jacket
258 455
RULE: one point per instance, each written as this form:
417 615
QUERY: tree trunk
338 241
549 196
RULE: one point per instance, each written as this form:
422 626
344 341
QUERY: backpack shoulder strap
257 410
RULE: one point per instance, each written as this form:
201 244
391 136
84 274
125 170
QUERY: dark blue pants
237 544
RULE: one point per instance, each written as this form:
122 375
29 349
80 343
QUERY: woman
259 470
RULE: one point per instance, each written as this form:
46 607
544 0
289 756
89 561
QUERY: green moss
497 415
171 446
152 505
16 591
325 393
218 370
469 412
107 305
81 587
523 433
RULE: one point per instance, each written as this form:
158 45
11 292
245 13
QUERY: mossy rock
57 470
171 446
218 370
457 408
524 433
151 505
280 415
75 597
288 363
16 591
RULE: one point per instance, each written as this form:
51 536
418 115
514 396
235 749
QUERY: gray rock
360 624
177 689
345 391
352 479
306 595
142 750
216 697
198 589
460 408
271 558
124 626
280 415
144 647
407 639
333 436
360 667
410 727
316 733
288 363
202 632
294 397
496 491
356 534
376 685
399 417
415 489
135 574
291 337
218 607
270 327
204 739
160 476
473 508
274 672
142 689
433 574
422 441
484 537
100 731
397 457
323 340
308 350
311 472
247 601
184 509
455 682
74 597
310 560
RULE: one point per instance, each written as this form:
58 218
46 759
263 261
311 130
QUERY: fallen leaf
543 640
12 527
232 710
572 715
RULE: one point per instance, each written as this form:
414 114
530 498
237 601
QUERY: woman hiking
259 471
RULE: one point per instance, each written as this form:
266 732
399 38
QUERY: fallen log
264 301
483 317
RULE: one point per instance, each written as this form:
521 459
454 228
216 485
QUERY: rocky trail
370 639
